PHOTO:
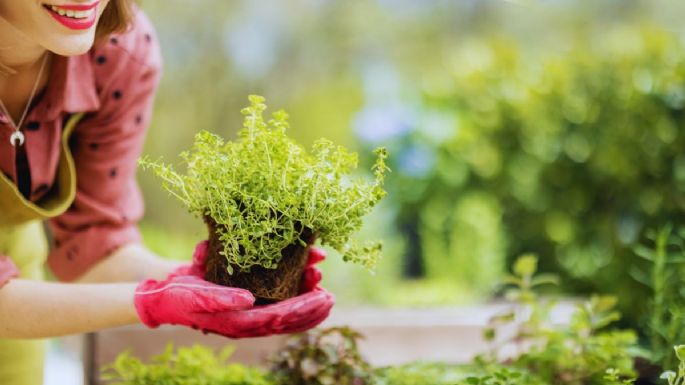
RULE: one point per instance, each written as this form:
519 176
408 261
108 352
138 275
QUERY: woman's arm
32 309
130 263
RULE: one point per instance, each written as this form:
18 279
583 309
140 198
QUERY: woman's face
65 27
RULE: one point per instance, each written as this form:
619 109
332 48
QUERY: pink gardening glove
290 316
8 270
187 300
197 267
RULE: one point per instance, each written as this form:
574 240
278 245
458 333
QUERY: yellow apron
22 238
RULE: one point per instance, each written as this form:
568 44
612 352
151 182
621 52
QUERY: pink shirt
114 83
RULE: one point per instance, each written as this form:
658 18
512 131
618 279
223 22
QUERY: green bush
572 152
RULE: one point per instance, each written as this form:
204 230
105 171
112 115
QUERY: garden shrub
196 365
577 149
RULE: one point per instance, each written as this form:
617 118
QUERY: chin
73 46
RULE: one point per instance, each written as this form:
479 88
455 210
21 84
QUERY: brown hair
116 17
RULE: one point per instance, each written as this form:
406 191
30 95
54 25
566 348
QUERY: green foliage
187 366
665 320
676 378
264 189
575 354
580 149
422 373
613 376
322 357
500 375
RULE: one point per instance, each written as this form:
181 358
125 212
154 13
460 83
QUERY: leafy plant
422 373
187 366
575 354
322 357
264 189
676 378
613 376
665 320
500 375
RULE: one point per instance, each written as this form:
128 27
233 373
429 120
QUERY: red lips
73 23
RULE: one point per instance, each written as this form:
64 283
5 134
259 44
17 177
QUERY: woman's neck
17 52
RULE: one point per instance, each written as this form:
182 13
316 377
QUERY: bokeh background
552 127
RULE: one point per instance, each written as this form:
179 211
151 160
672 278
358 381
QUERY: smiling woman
77 84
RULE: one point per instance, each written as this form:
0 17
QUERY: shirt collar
71 87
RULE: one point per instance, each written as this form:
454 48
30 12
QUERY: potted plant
266 199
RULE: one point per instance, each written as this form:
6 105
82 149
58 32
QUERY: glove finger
316 255
311 277
299 312
199 296
200 253
312 320
295 314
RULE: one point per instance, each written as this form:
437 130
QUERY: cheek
21 14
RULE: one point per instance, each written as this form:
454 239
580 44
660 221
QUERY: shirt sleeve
106 146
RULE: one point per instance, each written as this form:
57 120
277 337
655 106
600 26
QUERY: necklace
17 137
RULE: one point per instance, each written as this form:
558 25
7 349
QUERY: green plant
576 151
421 373
613 376
322 357
264 189
500 375
676 378
196 365
578 353
665 320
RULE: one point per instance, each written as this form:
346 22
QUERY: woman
77 80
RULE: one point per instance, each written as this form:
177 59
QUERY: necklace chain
17 137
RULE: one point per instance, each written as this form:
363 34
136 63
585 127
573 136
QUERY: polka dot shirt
114 83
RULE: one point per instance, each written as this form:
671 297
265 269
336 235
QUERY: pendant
17 137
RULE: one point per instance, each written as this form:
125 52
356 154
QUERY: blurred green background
553 127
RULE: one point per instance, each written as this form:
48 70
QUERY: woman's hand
187 300
227 318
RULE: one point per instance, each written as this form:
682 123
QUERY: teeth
71 13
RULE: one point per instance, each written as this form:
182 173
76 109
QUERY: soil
267 285
647 372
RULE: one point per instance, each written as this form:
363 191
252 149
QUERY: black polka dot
33 125
41 189
139 119
94 146
114 40
148 38
101 59
116 94
113 173
124 218
58 243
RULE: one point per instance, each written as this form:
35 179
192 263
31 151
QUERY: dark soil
267 285
648 373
